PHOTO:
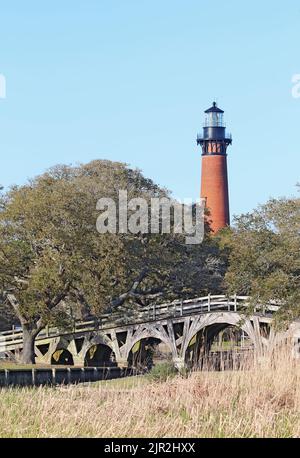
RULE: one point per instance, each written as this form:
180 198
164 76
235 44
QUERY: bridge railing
177 308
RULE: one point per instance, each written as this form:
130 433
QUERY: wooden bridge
184 327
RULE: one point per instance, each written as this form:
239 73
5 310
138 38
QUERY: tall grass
258 401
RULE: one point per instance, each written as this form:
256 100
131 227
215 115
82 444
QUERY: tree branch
122 298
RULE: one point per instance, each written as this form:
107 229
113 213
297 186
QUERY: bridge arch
62 357
206 327
99 355
97 349
152 333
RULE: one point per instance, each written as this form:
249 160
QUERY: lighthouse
214 177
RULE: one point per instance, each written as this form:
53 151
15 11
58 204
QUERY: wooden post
33 376
69 375
54 376
154 312
96 374
235 303
6 377
181 308
83 375
208 305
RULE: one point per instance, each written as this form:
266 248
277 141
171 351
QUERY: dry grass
261 402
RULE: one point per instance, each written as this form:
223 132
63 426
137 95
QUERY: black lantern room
214 139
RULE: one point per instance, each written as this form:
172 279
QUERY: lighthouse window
214 119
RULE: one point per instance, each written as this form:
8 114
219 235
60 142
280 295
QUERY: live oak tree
53 262
264 255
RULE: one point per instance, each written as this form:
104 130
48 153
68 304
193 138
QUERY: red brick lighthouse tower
214 180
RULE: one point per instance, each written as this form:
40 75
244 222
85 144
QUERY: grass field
261 402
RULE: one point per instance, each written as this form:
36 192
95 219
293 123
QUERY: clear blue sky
128 80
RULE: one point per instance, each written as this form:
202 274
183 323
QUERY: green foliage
162 372
264 255
54 264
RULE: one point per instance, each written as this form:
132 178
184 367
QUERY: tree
52 259
264 255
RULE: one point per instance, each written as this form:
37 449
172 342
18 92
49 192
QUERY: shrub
163 371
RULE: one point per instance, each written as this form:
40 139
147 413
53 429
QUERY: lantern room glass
214 119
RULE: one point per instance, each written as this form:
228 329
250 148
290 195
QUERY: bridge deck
178 308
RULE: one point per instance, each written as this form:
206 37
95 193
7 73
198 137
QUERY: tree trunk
28 355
